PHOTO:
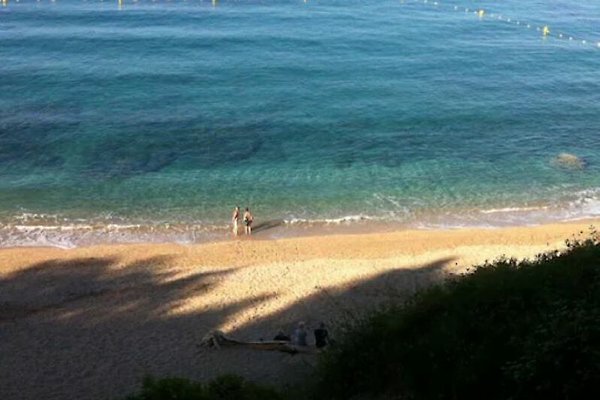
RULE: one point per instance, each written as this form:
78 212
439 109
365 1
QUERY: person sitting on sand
300 334
282 336
235 218
321 336
248 219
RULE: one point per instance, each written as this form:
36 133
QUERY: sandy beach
89 323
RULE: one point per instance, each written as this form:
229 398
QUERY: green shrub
170 388
226 387
509 330
231 387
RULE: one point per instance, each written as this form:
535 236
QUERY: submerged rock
570 161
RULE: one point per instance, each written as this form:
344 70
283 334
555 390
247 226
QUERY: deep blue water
157 113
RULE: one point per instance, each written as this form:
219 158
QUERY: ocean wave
332 221
40 229
512 209
584 204
27 228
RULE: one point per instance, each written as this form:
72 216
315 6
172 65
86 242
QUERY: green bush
226 387
231 387
509 330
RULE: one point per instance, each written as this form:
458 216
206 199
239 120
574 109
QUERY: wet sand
88 323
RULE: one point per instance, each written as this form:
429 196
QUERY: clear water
150 121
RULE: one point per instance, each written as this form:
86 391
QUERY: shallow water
150 121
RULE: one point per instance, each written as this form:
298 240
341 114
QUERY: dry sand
88 323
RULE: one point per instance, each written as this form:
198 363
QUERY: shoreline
89 235
533 234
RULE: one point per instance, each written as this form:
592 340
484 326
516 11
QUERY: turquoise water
150 121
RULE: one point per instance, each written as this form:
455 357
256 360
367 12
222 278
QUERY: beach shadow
339 308
91 328
350 303
263 226
59 287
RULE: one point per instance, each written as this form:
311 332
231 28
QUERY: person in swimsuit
248 219
235 218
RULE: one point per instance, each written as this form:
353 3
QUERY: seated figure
321 336
282 336
300 334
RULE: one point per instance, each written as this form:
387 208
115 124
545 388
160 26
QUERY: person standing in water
235 218
248 219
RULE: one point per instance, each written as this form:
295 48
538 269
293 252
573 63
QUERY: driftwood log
217 339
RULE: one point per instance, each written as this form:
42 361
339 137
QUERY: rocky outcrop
569 161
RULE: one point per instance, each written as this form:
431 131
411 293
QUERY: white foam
512 209
27 216
331 221
585 205
38 229
26 228
123 226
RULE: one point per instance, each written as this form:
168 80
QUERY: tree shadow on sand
348 303
91 328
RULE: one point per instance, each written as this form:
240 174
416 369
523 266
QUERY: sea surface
151 120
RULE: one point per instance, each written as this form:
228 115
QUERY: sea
150 120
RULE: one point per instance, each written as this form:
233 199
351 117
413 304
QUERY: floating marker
546 31
481 13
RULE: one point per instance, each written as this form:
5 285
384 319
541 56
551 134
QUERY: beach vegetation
506 330
226 387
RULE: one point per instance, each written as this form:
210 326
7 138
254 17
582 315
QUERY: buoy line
481 13
485 14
